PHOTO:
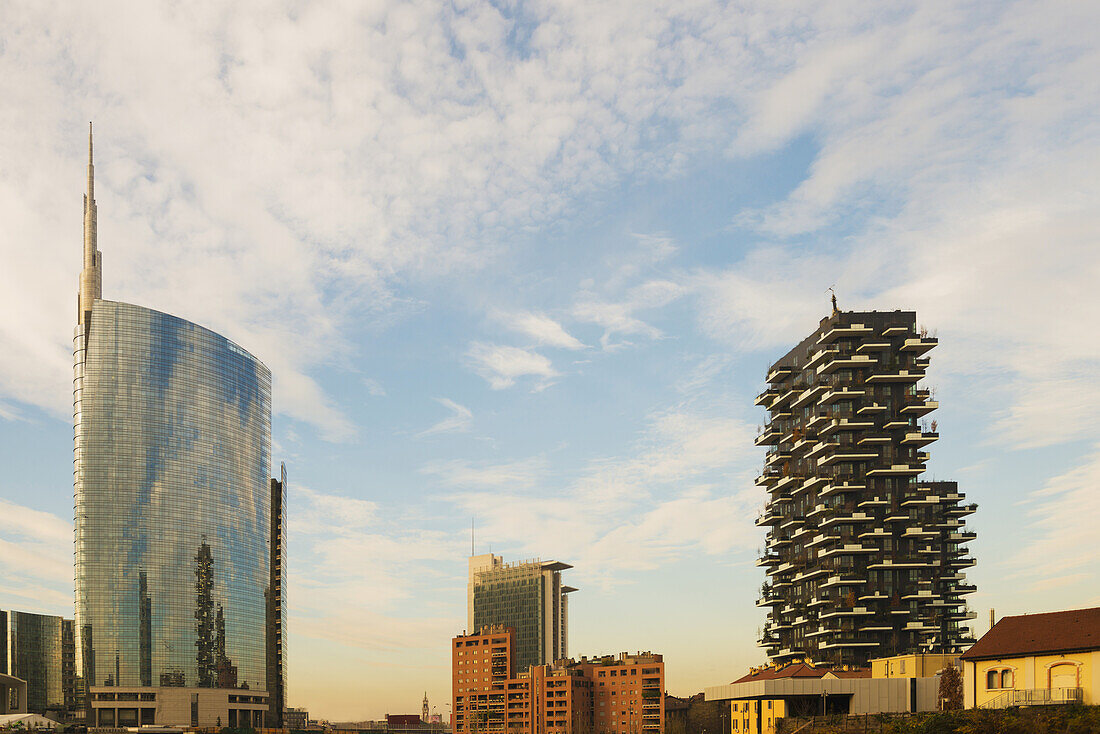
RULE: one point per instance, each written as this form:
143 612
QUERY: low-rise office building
760 699
1035 659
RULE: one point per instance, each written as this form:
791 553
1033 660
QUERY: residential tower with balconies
864 558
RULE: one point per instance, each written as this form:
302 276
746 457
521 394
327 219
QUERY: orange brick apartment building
606 695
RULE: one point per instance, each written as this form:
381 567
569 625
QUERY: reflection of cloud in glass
172 502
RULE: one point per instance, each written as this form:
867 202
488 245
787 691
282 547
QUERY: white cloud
1064 516
460 419
501 365
544 330
354 562
36 558
673 495
509 475
617 317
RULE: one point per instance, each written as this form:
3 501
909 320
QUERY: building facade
276 604
173 514
761 699
863 559
621 694
1035 659
527 596
39 649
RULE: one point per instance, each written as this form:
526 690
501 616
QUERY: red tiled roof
1028 634
800 670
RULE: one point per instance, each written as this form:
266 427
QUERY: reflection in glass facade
38 649
173 504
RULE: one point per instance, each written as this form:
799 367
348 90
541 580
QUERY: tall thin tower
91 275
173 515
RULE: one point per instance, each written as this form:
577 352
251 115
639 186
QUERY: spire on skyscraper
91 276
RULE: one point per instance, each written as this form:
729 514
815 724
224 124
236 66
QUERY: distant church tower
424 710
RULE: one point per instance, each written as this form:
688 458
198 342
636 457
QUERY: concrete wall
13 688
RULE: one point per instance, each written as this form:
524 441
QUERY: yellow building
756 717
914 665
1035 659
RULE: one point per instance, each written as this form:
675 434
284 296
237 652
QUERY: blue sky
528 263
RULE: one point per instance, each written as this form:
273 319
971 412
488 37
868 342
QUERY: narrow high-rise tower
527 596
864 559
173 516
91 274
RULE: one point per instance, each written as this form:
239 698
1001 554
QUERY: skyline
518 267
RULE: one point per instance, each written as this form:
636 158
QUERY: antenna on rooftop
833 298
471 535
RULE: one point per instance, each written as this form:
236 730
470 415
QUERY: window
992 680
1006 679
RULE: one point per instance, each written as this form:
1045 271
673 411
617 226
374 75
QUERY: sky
525 264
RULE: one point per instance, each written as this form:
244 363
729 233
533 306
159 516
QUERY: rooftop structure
864 559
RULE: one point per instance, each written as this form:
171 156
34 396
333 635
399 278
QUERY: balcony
872 408
776 457
820 356
845 361
769 476
844 424
920 438
842 612
768 559
896 470
847 516
897 330
809 395
778 373
848 642
840 486
846 580
812 482
919 345
874 502
965 536
768 517
765 398
841 331
821 448
896 375
840 394
848 549
919 406
769 436
875 439
872 347
962 510
786 482
851 454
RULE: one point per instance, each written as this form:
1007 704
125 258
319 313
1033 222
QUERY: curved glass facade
173 504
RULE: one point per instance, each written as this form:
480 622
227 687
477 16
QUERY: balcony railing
1035 697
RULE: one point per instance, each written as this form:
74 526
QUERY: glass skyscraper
527 596
174 513
38 648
